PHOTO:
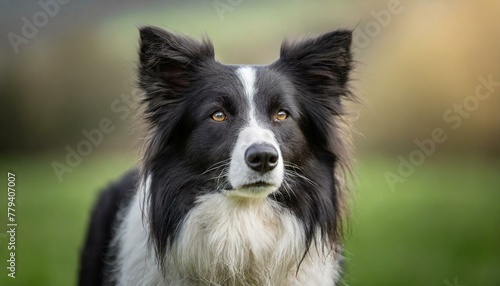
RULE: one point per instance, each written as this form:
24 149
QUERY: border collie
242 178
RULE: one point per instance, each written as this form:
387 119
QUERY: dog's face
245 129
248 132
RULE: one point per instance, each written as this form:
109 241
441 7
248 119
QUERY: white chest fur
224 241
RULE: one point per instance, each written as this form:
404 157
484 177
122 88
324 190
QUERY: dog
242 179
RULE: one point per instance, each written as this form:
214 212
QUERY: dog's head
249 132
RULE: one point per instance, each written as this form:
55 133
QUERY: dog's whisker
296 174
217 165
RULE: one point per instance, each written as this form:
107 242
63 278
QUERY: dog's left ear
323 62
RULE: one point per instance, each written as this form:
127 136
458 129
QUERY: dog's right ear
169 62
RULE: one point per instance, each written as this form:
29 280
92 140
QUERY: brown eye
219 116
281 115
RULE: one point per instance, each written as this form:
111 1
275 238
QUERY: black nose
261 157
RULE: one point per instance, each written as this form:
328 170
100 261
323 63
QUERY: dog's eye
281 115
219 116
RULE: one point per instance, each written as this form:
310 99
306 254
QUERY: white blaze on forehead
247 77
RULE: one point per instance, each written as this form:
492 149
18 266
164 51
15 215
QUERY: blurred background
427 187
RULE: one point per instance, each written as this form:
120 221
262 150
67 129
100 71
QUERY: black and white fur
256 198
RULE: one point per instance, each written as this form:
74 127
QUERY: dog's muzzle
256 167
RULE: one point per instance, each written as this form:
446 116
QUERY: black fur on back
96 251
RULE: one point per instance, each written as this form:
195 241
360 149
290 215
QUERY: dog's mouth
257 189
260 184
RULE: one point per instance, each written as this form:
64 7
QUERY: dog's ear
169 62
322 62
319 68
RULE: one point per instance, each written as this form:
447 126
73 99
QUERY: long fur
185 226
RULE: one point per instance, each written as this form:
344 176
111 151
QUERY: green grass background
438 227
